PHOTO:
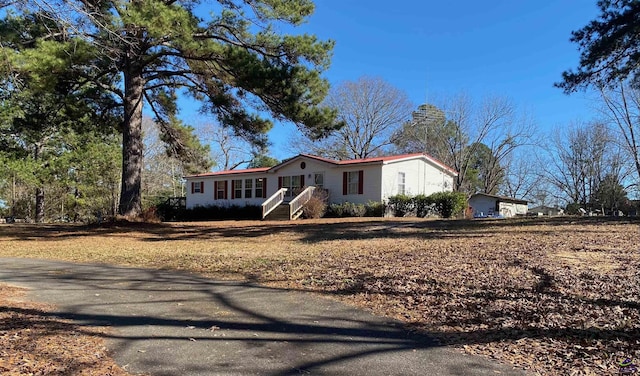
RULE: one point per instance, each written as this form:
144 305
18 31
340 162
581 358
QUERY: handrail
300 200
273 202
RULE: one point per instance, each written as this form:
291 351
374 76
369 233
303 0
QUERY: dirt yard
557 297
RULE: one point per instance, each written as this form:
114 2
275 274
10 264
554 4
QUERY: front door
293 184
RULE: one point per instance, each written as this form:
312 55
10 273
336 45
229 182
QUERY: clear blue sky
515 48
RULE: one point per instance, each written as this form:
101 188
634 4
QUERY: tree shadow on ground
308 231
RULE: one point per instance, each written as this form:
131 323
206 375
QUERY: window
401 183
318 179
248 188
352 182
197 187
221 190
236 188
260 188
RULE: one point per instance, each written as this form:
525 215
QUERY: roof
501 198
373 160
231 172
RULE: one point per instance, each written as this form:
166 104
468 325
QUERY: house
356 181
546 211
486 205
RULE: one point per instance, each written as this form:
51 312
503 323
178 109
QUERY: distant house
546 211
357 181
486 205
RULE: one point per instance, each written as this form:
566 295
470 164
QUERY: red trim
345 175
233 189
215 190
201 187
264 187
193 187
360 182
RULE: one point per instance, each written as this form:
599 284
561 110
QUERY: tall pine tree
233 61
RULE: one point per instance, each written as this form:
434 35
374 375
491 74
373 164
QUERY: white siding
371 190
421 177
482 205
294 168
379 181
207 198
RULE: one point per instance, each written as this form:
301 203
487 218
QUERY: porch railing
296 204
273 202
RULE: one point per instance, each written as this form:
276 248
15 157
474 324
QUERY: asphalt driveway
172 323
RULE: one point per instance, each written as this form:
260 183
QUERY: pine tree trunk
39 205
130 197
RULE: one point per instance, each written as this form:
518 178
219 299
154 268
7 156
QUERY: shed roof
501 198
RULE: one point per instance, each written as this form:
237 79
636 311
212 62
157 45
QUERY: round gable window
303 165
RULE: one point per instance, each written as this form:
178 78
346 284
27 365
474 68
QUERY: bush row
209 213
318 207
443 204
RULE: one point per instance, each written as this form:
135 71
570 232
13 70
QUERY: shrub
210 213
316 207
448 204
149 215
400 205
374 209
573 209
347 209
423 205
354 210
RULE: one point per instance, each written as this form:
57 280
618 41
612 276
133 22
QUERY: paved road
171 323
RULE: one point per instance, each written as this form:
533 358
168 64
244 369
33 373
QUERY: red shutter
301 181
279 182
360 182
225 189
344 182
264 188
201 187
215 190
233 189
193 187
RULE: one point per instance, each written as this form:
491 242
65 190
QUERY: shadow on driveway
170 323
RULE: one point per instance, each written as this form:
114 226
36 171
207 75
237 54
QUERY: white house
486 205
356 181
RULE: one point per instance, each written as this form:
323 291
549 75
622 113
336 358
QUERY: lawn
554 296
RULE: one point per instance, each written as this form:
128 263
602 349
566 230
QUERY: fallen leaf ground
34 342
554 296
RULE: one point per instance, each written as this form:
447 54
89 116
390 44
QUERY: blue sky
516 49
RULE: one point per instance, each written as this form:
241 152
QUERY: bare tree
457 129
580 157
228 150
621 110
522 175
162 173
372 110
